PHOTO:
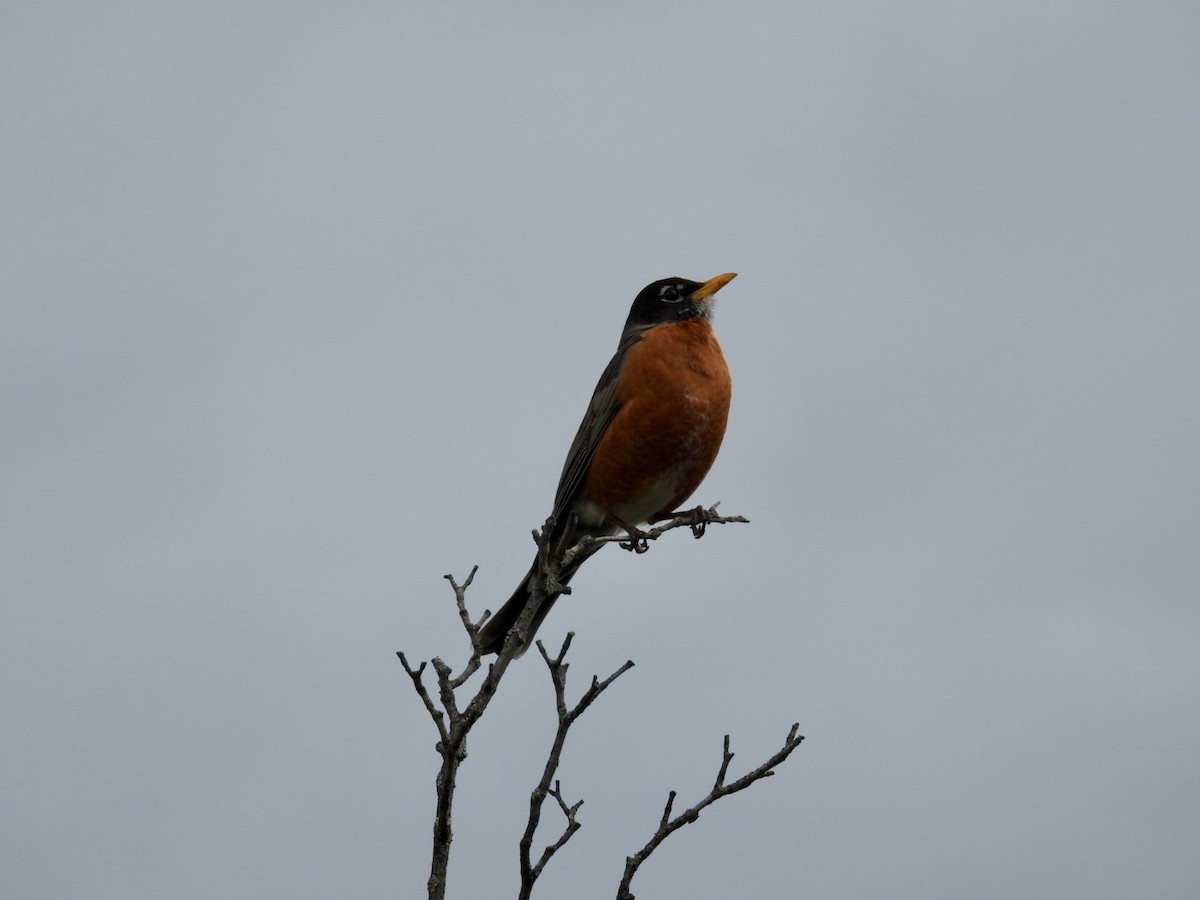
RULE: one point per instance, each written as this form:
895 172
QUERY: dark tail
495 630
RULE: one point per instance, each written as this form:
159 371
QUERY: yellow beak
713 285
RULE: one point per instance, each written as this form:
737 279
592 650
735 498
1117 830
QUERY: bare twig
472 628
668 825
636 539
416 674
453 725
566 718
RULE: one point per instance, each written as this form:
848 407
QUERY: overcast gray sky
302 304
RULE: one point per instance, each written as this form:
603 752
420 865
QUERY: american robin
648 438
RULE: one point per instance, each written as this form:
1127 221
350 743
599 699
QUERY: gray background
301 306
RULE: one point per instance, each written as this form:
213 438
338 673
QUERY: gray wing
599 414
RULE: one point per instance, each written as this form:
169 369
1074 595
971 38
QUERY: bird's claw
700 519
638 541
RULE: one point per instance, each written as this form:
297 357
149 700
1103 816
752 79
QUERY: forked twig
668 825
566 718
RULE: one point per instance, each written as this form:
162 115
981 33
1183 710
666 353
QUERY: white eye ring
669 293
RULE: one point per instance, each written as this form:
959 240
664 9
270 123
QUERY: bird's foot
700 519
638 541
697 518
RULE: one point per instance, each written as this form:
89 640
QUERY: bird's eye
669 293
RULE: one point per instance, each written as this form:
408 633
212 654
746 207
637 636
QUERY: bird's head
675 299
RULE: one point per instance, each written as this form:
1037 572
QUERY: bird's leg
637 542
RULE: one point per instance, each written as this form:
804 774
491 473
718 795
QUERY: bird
650 434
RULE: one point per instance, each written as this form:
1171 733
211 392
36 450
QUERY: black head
675 299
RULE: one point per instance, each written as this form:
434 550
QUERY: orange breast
674 394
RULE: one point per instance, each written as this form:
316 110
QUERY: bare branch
454 720
668 825
419 684
666 816
453 724
472 628
638 540
566 718
572 826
